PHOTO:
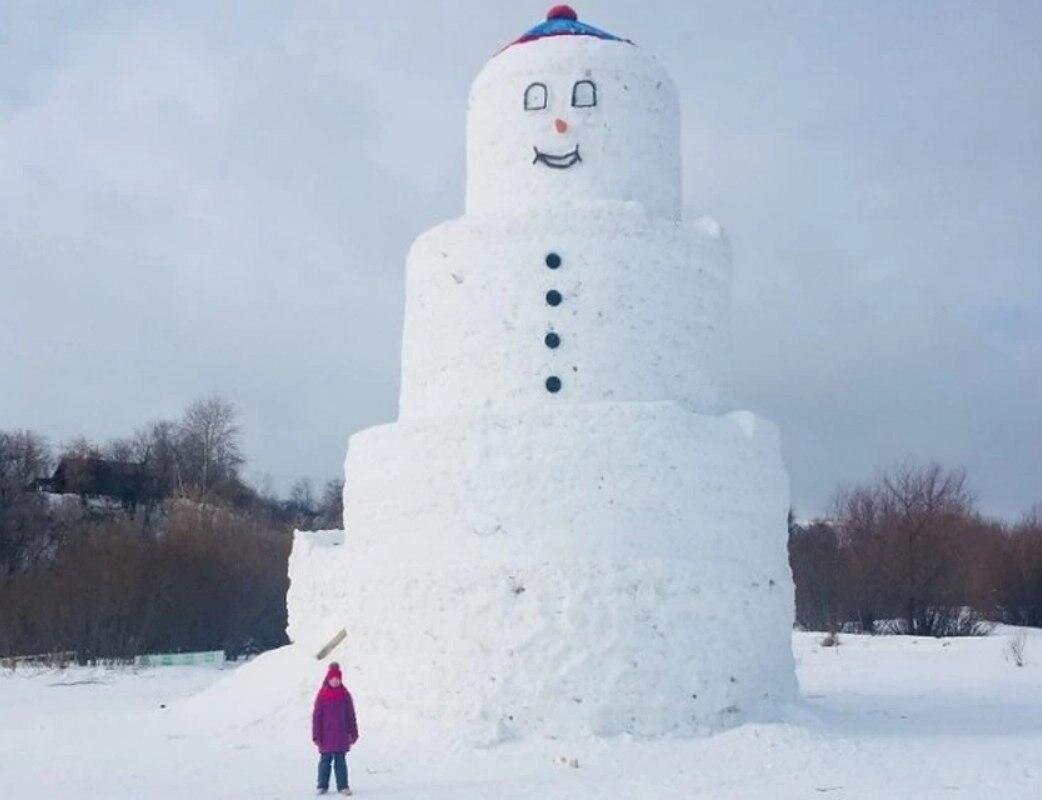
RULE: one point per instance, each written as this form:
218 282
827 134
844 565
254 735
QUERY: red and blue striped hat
563 21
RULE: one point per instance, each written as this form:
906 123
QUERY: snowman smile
557 162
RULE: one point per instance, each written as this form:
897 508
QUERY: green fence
211 658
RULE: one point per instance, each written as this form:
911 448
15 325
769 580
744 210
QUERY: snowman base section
590 569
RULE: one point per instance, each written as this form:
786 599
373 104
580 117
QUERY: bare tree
24 457
819 573
908 539
925 509
157 447
123 450
208 444
858 520
331 506
1019 584
80 447
301 506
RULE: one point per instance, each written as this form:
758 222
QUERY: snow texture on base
631 584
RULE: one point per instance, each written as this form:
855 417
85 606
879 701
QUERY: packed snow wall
527 574
566 532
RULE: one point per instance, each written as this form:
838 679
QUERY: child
333 729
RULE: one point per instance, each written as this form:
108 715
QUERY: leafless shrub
24 539
818 572
940 622
909 543
908 553
215 578
830 639
1014 649
1019 580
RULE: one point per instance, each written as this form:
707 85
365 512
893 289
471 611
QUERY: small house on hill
125 482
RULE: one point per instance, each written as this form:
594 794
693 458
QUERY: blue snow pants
339 763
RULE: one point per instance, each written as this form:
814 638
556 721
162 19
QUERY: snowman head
570 115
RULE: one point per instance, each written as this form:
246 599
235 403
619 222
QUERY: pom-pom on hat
332 672
563 21
562 12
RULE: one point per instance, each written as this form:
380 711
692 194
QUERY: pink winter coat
333 725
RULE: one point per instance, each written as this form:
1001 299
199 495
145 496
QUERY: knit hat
327 692
563 21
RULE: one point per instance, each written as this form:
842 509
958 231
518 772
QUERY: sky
204 197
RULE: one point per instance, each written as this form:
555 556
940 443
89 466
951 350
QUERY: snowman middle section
614 304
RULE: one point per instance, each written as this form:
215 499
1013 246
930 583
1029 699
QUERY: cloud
220 197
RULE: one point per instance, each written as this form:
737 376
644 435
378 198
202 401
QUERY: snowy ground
885 718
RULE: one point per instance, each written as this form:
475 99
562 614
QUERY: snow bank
315 597
275 686
897 717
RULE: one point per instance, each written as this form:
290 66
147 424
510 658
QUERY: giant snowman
566 532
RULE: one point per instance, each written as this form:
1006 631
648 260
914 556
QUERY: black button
553 297
553 384
552 340
553 261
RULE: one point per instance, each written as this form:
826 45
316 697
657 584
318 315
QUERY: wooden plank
332 643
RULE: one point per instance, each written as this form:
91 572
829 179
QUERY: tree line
910 553
198 558
196 561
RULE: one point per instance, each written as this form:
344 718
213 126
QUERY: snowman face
572 120
537 100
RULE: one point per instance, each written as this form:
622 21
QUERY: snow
644 314
563 563
891 717
629 142
315 591
597 594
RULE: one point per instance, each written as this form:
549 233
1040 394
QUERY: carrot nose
560 125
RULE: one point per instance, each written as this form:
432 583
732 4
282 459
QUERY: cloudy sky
202 197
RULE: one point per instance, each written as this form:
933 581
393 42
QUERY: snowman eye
584 94
535 97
